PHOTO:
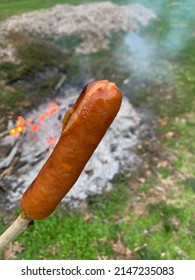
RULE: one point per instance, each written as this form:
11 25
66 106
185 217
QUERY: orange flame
19 127
20 121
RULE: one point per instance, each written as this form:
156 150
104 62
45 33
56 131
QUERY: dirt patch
149 187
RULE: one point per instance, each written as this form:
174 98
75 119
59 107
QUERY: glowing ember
35 127
19 128
53 107
51 141
22 124
12 131
42 117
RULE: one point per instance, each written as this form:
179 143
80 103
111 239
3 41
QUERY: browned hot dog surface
83 128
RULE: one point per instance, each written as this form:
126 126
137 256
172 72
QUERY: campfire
31 139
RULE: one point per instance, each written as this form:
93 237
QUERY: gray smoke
146 52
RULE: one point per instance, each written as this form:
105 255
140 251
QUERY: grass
165 233
11 98
34 54
67 236
13 7
152 212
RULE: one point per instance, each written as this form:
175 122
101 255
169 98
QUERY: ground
150 213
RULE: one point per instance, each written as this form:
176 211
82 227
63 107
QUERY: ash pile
93 23
31 140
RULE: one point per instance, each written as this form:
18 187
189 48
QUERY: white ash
93 23
114 155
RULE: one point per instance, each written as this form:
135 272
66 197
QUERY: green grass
67 235
34 54
11 98
13 7
165 233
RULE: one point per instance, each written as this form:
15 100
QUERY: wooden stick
19 225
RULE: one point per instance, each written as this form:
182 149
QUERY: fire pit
34 135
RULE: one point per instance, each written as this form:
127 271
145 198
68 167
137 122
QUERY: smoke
169 35
175 40
143 54
180 17
140 48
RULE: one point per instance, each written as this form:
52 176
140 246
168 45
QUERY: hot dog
84 125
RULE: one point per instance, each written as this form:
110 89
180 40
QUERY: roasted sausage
83 127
